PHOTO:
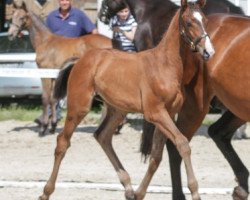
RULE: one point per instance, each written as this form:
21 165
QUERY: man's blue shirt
75 25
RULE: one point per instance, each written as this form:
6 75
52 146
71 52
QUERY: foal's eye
189 24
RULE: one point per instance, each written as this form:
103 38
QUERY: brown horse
149 82
51 52
230 36
221 132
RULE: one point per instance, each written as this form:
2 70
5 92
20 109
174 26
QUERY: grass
28 111
21 112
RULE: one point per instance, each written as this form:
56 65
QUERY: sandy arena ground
26 161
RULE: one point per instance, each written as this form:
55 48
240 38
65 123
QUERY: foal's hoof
53 128
43 131
43 197
130 195
139 196
239 193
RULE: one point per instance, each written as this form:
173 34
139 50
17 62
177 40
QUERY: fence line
29 73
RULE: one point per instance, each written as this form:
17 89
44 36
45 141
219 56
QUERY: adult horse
146 37
150 80
51 52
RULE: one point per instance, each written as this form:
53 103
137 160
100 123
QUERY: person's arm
94 31
129 34
87 25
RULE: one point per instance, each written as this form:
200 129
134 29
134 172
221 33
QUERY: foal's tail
60 89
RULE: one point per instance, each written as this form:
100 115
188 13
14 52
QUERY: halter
188 39
104 14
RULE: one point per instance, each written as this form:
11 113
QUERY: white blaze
208 45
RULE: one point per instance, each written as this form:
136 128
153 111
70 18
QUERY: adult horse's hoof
239 194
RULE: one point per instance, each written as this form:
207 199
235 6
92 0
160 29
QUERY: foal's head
192 27
19 20
109 8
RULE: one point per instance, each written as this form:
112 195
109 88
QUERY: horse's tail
60 89
146 139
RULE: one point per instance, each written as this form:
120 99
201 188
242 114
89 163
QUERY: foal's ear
184 3
24 6
201 3
19 4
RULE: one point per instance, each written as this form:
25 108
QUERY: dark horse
149 82
147 36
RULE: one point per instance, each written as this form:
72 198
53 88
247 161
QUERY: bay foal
51 52
149 82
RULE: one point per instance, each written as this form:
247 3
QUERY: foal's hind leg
155 159
78 107
104 136
222 132
55 107
54 119
46 103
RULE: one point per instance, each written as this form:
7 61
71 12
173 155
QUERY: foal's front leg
163 121
104 136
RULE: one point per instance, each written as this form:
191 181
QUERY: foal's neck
39 33
169 47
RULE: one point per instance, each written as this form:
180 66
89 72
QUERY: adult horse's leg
147 138
222 132
79 103
154 162
175 168
104 137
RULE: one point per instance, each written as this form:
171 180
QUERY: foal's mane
37 21
170 31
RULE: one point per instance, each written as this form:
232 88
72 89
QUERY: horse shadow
136 124
35 129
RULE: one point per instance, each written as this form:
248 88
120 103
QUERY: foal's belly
121 94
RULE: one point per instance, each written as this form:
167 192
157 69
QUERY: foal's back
56 49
